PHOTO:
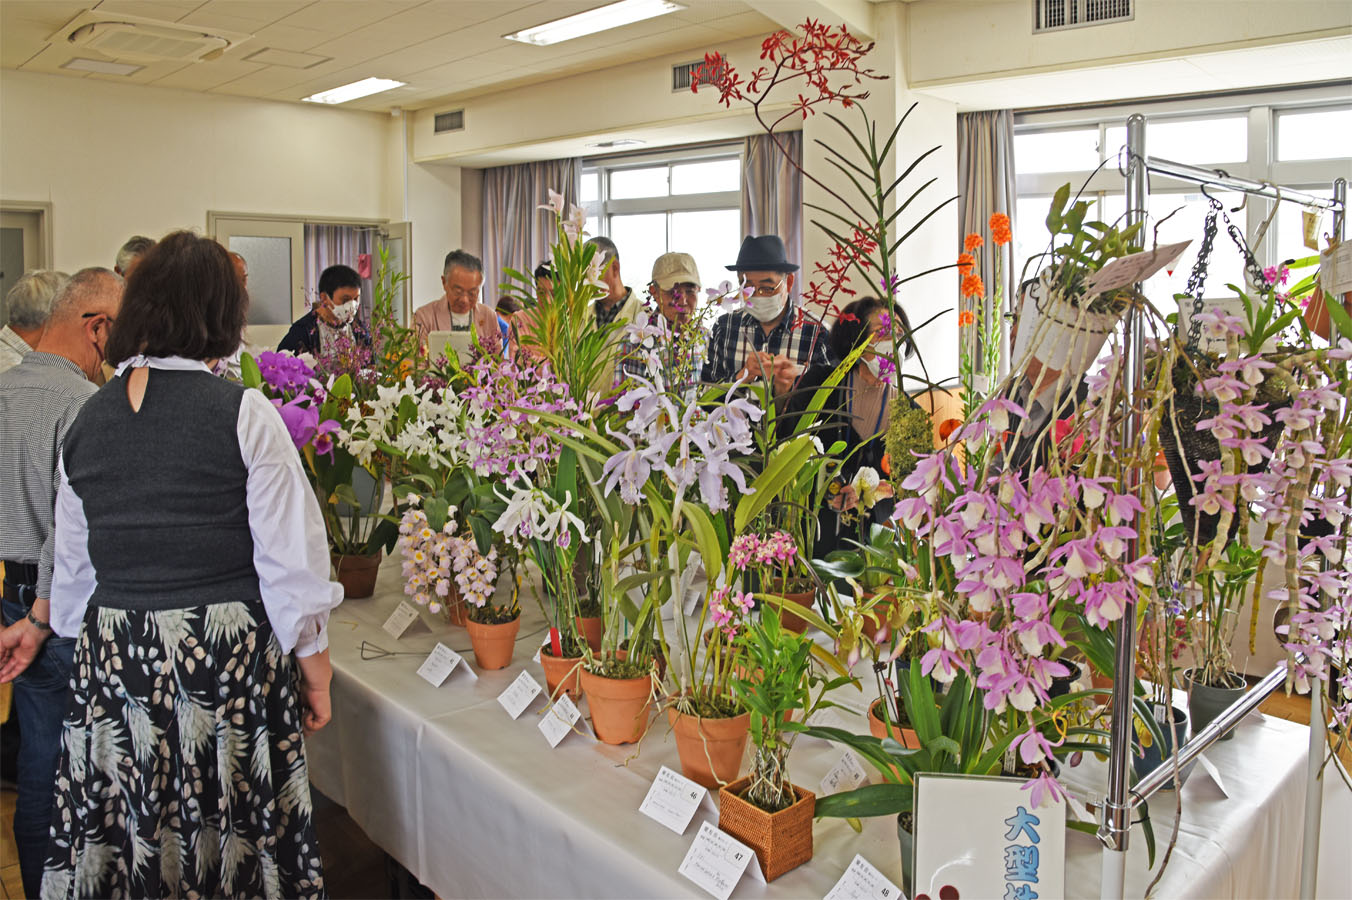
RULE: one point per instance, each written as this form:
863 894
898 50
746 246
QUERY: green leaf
249 372
342 387
783 468
711 549
438 511
1059 200
1338 316
870 800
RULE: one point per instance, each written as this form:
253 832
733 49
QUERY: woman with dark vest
191 564
856 412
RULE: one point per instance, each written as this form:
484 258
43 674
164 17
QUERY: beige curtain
517 234
772 192
333 245
986 185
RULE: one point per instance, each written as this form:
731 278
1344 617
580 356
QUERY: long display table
476 804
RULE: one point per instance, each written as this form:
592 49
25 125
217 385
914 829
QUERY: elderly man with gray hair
39 399
461 308
131 254
28 303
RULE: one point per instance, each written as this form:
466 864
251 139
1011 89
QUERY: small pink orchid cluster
773 550
727 607
436 561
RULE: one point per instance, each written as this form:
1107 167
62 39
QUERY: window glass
269 262
1186 214
628 184
1075 150
706 177
591 187
1193 141
1323 134
712 237
640 239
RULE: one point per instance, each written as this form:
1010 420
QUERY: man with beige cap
669 339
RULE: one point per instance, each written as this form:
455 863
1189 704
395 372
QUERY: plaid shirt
606 315
737 335
678 373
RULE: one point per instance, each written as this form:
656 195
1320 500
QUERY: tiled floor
356 868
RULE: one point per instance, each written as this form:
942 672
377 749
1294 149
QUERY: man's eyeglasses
90 315
763 290
677 290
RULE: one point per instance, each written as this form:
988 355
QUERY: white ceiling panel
205 76
344 16
288 37
254 13
164 10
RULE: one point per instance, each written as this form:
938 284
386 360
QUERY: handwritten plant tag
1132 268
439 665
862 881
519 694
673 799
847 774
404 615
716 861
559 719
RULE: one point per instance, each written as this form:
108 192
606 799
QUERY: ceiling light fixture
603 18
357 89
101 66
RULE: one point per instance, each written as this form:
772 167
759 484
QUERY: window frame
604 206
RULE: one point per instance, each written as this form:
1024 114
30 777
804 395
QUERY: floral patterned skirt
182 771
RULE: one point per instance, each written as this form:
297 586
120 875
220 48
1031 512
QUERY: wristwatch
41 625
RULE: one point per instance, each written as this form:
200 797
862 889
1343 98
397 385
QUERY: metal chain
1197 278
1251 266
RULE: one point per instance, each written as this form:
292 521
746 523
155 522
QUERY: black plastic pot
1155 754
1205 702
1061 684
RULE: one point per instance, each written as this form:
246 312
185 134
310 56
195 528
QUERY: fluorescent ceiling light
364 88
101 66
602 18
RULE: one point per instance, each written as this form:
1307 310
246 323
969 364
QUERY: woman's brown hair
184 298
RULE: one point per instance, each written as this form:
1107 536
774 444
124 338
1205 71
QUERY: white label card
1210 768
559 719
404 615
673 799
862 881
519 694
439 665
716 861
846 775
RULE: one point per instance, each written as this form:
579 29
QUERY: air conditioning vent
140 40
449 121
683 75
1054 15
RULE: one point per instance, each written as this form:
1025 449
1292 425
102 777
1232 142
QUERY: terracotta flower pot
782 840
357 574
620 707
791 622
493 644
711 750
880 729
561 674
591 629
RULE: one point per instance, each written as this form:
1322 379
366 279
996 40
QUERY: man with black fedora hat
772 338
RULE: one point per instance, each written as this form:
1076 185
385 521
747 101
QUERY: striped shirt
39 399
737 335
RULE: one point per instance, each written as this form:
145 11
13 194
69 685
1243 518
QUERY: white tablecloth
475 804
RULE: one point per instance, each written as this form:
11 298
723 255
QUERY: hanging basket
1058 335
1199 447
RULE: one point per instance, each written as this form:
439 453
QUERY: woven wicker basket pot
782 840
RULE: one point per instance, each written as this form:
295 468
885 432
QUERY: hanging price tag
862 881
1309 228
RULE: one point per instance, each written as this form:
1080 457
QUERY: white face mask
874 366
883 348
766 309
345 312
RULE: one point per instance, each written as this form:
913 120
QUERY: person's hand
315 676
19 646
786 372
759 365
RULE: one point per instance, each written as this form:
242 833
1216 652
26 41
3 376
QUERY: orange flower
947 427
1000 232
965 318
972 286
965 263
972 241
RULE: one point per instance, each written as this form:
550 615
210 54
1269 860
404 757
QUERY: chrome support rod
1216 178
1314 782
1203 739
1115 824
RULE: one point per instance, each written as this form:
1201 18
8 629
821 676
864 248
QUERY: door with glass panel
274 251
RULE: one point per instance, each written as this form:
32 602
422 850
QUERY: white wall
116 160
954 41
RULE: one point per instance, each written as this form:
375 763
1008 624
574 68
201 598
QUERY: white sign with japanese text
984 837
